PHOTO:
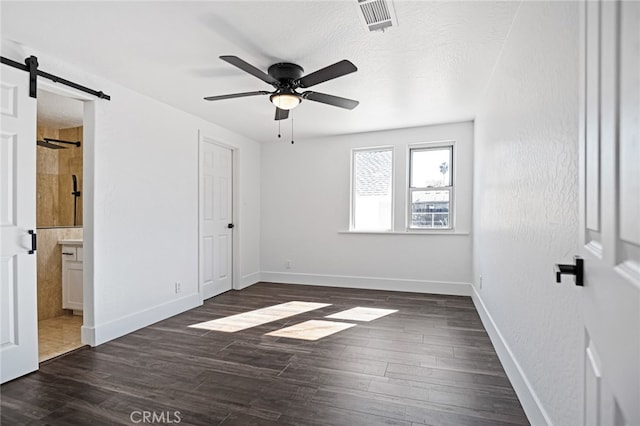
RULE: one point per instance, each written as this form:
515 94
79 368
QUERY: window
430 187
371 198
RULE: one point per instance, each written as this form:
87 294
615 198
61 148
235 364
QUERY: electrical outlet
178 287
289 264
480 282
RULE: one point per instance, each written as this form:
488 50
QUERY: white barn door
610 211
216 218
18 300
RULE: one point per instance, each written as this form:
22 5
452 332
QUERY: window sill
429 232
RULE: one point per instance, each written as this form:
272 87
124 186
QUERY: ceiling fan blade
281 114
236 95
330 100
336 70
247 67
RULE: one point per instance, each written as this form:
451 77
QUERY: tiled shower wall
55 209
54 183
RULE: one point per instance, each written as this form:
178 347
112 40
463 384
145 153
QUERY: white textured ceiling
431 68
58 112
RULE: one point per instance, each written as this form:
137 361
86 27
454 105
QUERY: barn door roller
31 66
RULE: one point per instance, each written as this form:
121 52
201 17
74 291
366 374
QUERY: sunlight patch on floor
361 314
311 330
258 317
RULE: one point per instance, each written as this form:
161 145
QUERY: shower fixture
52 143
75 194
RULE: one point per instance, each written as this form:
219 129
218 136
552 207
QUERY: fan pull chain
279 128
291 127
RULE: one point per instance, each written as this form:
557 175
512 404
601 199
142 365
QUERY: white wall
306 192
526 210
146 206
143 164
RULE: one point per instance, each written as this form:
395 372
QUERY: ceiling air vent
378 14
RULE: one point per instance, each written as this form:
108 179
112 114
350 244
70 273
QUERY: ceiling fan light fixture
286 77
285 101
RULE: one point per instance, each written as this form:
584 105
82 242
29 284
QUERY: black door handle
34 241
577 270
231 226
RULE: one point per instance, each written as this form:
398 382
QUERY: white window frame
451 189
352 209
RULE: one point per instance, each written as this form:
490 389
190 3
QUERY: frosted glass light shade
285 100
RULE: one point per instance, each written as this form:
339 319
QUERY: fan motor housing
285 71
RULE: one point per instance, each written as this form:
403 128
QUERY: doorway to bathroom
21 243
59 222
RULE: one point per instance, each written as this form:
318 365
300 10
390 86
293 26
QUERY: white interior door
610 211
18 301
216 224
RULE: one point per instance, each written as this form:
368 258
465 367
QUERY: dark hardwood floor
429 363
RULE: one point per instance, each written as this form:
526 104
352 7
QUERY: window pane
430 167
372 191
430 209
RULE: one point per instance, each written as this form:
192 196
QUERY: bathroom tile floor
59 335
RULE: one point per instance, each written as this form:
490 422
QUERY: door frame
235 209
88 179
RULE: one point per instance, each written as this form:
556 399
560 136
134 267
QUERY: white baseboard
102 333
88 335
371 283
248 280
207 291
528 398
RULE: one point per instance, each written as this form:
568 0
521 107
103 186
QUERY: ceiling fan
286 77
